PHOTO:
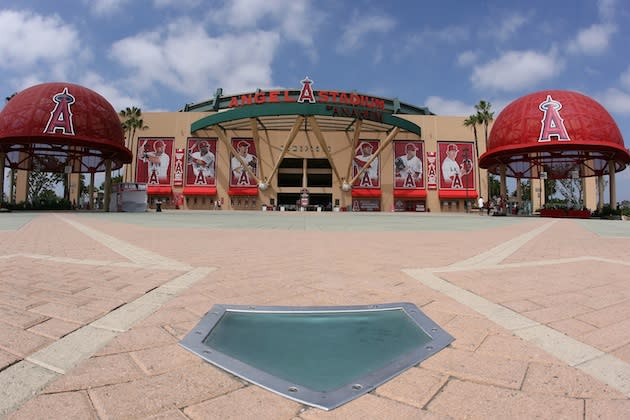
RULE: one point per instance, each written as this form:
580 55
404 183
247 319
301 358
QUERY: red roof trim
410 193
199 190
243 191
159 189
465 194
366 193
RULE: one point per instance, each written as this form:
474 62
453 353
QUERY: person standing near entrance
480 205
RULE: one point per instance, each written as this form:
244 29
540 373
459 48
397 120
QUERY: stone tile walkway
92 307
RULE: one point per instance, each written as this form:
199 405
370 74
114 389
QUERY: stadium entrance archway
290 201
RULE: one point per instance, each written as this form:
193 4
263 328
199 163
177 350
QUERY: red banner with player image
457 166
201 157
242 169
432 177
178 170
153 164
371 176
408 165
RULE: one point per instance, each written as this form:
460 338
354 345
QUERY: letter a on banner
154 178
243 179
201 178
457 182
409 181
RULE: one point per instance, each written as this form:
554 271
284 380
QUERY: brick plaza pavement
92 307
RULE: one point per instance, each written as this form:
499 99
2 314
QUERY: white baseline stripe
132 252
604 367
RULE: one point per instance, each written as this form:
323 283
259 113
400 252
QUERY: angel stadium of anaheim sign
306 101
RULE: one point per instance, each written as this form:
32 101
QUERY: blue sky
447 55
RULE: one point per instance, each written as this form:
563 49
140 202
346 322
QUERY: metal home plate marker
320 356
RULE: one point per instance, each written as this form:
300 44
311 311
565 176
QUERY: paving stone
369 406
7 359
610 409
565 381
478 367
19 318
164 358
54 328
251 402
96 372
65 405
80 315
137 339
414 387
572 327
152 395
22 343
465 400
512 347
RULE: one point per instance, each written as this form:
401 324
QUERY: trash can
158 206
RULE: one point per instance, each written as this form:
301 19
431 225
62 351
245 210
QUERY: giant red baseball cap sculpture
59 127
556 132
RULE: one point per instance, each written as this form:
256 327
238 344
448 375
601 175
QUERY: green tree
41 183
115 180
473 121
131 122
485 117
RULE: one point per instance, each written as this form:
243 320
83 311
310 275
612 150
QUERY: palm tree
485 117
473 121
132 121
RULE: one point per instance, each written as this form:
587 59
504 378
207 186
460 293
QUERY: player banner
371 176
178 171
408 166
457 166
432 171
201 161
153 164
246 150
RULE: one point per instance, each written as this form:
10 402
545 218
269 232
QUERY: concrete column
612 184
2 178
21 186
108 184
502 186
12 174
600 192
91 191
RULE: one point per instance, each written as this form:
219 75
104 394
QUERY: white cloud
625 78
516 70
114 96
29 40
186 59
615 100
509 26
593 40
442 106
359 27
176 3
105 7
296 20
467 58
606 9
